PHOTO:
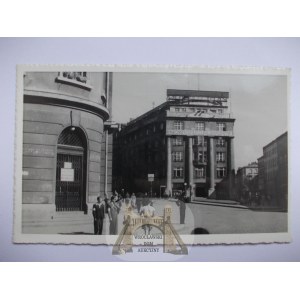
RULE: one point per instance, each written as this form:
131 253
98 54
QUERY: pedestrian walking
181 203
113 211
99 215
133 201
147 211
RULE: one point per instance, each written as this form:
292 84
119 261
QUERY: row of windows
199 140
199 172
201 156
200 126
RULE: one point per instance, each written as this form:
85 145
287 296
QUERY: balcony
193 132
184 114
199 163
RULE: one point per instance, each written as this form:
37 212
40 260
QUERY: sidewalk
215 202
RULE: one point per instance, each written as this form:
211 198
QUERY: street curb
220 204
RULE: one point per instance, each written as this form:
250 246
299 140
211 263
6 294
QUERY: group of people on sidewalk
110 207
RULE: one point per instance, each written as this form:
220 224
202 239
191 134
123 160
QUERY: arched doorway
71 171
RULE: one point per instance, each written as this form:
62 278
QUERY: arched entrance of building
71 172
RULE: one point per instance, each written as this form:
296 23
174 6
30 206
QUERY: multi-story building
186 142
66 146
275 161
247 182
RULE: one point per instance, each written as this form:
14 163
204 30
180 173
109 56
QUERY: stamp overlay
151 159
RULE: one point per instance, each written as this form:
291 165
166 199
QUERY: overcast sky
259 103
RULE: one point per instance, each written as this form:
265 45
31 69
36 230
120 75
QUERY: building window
199 172
154 128
147 131
200 141
220 156
202 156
200 126
178 125
178 141
220 142
177 156
183 109
221 172
220 111
221 127
161 126
177 109
177 173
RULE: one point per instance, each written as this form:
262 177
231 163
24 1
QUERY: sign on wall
67 173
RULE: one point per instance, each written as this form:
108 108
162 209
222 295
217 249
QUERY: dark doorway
201 191
71 171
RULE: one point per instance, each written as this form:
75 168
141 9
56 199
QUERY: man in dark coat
182 206
99 215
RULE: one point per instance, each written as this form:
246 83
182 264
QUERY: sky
258 103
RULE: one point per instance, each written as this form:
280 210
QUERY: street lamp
185 184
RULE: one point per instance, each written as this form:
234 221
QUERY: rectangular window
220 142
177 156
200 126
178 141
200 141
221 127
202 156
177 109
178 125
220 156
199 172
177 173
221 172
161 126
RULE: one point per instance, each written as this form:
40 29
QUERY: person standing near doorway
99 215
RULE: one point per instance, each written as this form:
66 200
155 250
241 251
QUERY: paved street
218 219
215 219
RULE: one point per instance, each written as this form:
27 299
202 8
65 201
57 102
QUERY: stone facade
186 142
68 108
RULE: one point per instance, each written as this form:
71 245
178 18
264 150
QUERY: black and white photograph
206 146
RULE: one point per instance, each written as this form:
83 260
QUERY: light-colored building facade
186 142
66 148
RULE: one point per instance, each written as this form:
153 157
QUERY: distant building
246 179
275 172
67 146
186 142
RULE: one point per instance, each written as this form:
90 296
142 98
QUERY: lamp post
185 184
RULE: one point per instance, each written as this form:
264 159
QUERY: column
169 166
191 169
230 167
211 166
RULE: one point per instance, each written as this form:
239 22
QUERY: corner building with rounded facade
186 142
63 136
